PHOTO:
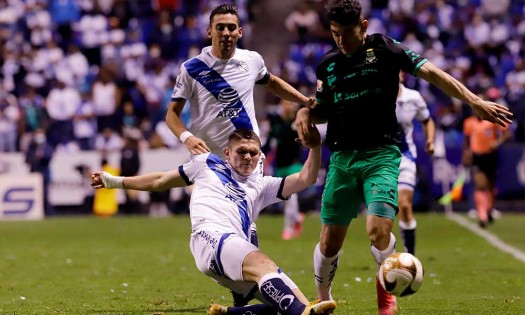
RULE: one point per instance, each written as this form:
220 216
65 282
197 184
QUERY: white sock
379 255
410 225
324 268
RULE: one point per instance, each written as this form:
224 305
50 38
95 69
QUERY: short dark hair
345 12
224 9
240 134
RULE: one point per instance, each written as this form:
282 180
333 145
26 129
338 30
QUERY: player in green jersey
356 94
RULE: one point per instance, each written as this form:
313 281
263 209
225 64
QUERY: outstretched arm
283 90
193 144
158 181
308 174
487 110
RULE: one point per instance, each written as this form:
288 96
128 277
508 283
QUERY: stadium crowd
91 74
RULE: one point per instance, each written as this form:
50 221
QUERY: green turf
138 265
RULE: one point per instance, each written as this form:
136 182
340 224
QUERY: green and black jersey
357 93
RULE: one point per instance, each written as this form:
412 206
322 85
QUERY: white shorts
220 256
407 174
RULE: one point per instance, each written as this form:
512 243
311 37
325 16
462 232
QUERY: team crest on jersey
370 56
319 86
243 65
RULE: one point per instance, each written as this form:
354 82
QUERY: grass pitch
139 265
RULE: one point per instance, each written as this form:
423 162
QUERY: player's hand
96 180
196 145
429 148
314 138
310 103
493 112
303 125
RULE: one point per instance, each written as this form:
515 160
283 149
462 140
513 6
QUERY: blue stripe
227 96
220 269
235 193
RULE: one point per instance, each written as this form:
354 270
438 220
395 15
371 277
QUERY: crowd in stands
479 42
90 73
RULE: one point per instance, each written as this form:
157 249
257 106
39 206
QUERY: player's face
349 38
243 156
224 33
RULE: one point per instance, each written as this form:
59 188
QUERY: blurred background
84 85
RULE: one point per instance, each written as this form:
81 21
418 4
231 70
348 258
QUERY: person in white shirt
410 105
219 85
227 197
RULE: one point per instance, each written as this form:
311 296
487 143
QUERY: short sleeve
183 85
409 60
189 171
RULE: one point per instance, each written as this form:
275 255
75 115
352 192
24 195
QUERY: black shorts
486 163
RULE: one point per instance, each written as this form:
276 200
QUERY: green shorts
355 176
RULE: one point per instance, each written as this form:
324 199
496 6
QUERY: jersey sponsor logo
228 97
370 56
204 73
284 300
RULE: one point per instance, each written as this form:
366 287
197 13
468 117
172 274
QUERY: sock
324 268
256 309
381 255
482 201
408 233
279 295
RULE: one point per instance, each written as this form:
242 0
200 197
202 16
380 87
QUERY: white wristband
185 135
111 181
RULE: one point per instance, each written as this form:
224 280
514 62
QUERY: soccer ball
401 274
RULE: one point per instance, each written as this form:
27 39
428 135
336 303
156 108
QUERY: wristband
111 181
185 135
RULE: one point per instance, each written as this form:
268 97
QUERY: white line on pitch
491 238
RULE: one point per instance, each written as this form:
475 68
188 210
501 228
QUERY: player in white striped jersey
219 85
227 198
410 105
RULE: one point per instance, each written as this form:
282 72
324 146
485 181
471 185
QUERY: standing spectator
106 97
33 115
62 104
287 160
64 13
130 166
356 94
85 123
9 118
38 157
303 23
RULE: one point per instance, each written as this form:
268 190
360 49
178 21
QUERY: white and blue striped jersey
224 201
410 105
220 93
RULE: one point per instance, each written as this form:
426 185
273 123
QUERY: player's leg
381 172
340 204
291 215
407 221
482 197
275 288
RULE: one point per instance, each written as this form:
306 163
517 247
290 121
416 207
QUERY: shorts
355 176
487 164
407 174
220 256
